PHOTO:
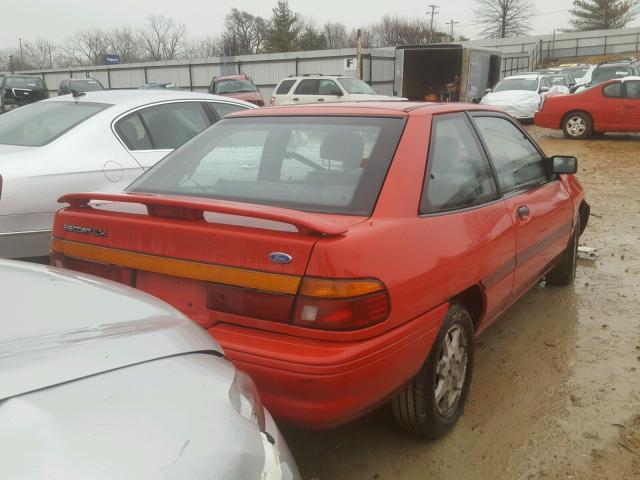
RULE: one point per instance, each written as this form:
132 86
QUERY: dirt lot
556 389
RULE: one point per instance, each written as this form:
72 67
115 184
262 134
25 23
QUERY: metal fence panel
127 78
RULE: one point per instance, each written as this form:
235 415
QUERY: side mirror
544 89
563 165
338 93
487 91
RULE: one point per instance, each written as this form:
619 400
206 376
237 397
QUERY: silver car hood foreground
39 347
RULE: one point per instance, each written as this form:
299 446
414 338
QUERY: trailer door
479 72
398 76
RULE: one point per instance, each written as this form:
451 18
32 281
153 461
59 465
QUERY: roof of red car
382 108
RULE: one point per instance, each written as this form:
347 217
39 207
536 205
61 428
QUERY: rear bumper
319 384
546 121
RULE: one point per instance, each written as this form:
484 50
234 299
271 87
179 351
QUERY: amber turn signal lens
337 288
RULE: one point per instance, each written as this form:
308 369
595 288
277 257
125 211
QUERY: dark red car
237 86
344 255
612 106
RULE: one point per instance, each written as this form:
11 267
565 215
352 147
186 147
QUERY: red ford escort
344 255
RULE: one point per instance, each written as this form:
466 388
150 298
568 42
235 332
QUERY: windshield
575 72
601 74
355 86
320 164
530 84
24 82
40 123
234 86
85 85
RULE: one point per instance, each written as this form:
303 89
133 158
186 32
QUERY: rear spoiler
193 209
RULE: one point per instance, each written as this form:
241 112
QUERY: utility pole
359 54
432 13
452 23
21 56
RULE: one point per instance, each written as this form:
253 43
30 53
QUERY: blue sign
110 59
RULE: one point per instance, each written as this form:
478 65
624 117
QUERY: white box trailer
445 72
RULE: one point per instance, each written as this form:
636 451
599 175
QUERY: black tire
416 408
577 125
564 273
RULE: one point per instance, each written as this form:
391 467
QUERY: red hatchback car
612 106
344 255
237 86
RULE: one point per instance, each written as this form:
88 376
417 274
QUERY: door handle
296 99
523 212
321 99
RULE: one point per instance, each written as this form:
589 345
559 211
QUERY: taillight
114 273
324 304
332 304
273 101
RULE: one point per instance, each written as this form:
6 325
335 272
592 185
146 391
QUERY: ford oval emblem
279 257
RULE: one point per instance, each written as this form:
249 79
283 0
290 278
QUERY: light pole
433 13
11 63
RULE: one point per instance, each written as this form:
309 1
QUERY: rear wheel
565 272
434 400
577 126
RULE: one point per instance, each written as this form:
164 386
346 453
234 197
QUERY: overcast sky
55 20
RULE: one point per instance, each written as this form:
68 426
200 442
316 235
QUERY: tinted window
172 124
133 134
633 89
284 87
517 162
614 90
40 123
85 85
602 74
323 164
308 87
458 174
328 87
224 109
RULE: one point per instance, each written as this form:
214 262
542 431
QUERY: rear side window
172 124
613 90
284 87
328 87
308 87
133 134
320 164
458 174
40 123
518 163
224 109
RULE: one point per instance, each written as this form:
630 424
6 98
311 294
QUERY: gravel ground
556 387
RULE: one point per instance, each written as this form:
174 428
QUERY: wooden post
359 54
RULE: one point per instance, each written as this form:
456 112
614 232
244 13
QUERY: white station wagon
97 141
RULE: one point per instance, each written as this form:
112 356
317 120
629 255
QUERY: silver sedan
101 381
98 141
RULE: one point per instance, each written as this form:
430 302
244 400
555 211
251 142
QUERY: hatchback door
539 205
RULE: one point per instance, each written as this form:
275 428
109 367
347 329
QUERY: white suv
313 88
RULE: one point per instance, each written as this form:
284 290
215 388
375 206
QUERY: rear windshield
234 86
85 85
319 164
601 74
24 82
530 84
40 123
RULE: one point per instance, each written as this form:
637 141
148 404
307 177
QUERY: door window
172 124
133 134
633 89
284 87
308 87
518 163
328 87
458 174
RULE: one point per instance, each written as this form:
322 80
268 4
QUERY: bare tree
162 39
503 18
393 31
39 54
336 35
203 48
126 44
86 47
310 36
244 34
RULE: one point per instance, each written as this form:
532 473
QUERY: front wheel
434 400
577 126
